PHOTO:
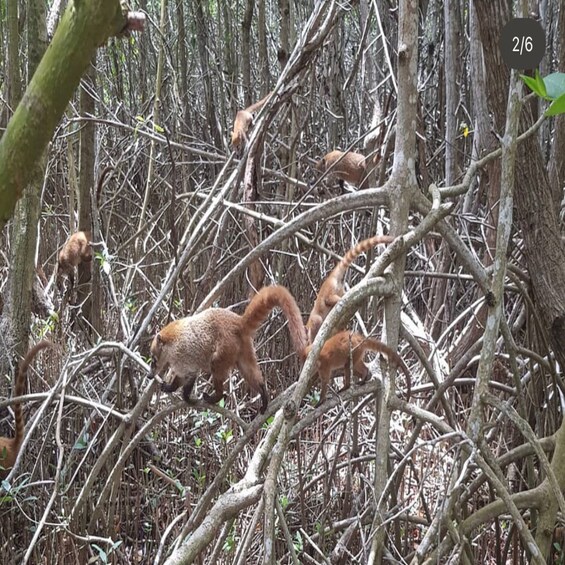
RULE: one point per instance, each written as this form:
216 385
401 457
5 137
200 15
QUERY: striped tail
20 386
355 251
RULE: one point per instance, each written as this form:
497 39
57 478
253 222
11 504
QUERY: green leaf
557 107
534 85
541 85
81 442
555 85
101 553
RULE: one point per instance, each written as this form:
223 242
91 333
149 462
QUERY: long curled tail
20 385
355 251
264 301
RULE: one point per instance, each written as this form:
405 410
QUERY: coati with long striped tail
346 350
332 288
10 446
217 340
242 123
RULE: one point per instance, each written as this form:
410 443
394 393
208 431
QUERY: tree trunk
405 176
246 52
28 209
263 54
557 159
203 50
537 219
90 302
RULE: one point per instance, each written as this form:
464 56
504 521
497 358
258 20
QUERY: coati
332 288
347 349
10 447
78 247
76 250
351 167
217 340
242 123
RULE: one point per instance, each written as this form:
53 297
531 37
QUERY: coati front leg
173 385
187 389
325 377
346 377
361 370
177 382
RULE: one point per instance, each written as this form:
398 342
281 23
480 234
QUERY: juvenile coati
351 167
10 447
76 250
347 349
78 247
242 123
332 288
217 340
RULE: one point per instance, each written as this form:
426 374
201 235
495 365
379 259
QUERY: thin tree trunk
156 118
90 303
405 175
246 52
263 53
213 132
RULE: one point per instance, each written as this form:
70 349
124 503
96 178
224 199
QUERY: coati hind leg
220 370
249 369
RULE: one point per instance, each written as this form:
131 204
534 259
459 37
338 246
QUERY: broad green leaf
557 107
555 85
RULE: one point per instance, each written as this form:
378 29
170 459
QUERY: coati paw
187 398
212 399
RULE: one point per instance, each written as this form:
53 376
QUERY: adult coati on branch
332 288
10 446
242 123
217 340
346 350
348 166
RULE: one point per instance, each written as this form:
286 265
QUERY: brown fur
217 340
350 167
332 289
76 250
10 446
242 123
346 350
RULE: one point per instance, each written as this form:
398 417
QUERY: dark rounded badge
522 43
